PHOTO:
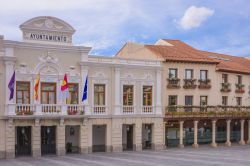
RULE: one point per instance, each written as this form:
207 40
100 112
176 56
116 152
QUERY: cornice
21 45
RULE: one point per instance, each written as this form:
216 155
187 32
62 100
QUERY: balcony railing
239 88
173 83
99 110
189 84
24 109
44 109
225 87
147 110
75 109
204 84
128 109
207 111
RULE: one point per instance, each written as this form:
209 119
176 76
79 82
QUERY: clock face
49 23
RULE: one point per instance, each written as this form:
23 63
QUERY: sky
221 26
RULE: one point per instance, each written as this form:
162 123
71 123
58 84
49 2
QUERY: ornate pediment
47 23
47 29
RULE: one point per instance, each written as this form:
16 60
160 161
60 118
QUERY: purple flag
11 86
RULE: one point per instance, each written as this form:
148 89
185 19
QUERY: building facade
145 97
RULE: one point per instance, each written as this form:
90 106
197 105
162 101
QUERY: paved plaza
205 156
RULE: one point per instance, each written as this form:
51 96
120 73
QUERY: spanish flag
36 88
65 87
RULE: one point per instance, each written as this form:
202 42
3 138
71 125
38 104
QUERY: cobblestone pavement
205 156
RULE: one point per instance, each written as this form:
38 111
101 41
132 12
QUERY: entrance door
48 140
99 138
23 141
129 137
72 139
147 136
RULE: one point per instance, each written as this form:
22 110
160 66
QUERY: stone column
181 135
228 142
60 138
195 145
137 135
117 92
214 144
242 141
10 139
158 93
84 137
248 141
36 139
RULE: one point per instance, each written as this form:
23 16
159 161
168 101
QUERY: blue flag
11 86
85 90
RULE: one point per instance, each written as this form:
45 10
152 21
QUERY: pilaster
60 138
10 139
36 139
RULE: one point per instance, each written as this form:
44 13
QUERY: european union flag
85 90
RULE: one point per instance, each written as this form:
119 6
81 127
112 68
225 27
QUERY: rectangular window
128 95
203 100
22 92
172 100
188 73
238 101
224 78
73 94
188 103
203 74
99 94
239 79
147 95
172 73
224 100
48 92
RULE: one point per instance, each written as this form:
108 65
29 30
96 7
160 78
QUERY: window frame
55 91
173 69
192 73
70 92
127 94
206 74
104 95
151 98
22 82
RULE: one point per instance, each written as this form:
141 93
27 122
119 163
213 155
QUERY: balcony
173 83
204 84
175 112
147 110
44 109
127 110
99 110
189 84
225 87
239 88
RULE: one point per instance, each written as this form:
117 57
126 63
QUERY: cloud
194 17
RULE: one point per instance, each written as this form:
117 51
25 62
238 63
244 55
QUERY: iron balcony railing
207 111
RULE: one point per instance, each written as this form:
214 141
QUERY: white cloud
194 17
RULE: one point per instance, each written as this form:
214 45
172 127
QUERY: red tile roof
181 52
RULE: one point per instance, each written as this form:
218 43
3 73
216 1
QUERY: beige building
145 97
